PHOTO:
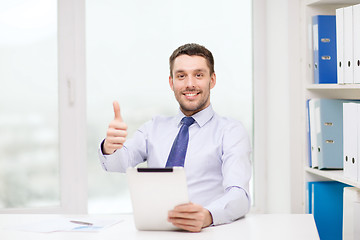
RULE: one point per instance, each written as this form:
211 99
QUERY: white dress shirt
217 162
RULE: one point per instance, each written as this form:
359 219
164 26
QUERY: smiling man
214 151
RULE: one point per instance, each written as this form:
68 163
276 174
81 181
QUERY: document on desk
67 224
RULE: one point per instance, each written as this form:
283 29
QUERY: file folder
313 134
340 44
358 142
351 196
348 45
324 48
308 132
350 140
329 129
356 42
327 207
308 200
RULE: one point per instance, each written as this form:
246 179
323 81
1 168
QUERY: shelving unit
336 91
334 175
310 90
326 2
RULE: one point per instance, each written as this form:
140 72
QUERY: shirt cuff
230 207
102 156
107 160
218 216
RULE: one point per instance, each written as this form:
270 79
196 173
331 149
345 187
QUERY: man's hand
116 133
190 217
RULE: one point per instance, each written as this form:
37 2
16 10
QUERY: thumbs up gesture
116 133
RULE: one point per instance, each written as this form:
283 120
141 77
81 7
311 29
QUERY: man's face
191 83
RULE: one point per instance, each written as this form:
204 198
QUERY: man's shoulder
227 122
162 119
231 130
159 120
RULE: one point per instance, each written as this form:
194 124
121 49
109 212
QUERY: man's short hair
192 49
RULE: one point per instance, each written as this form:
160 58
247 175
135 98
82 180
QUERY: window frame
72 112
72 106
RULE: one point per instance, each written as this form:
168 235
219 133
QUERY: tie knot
187 121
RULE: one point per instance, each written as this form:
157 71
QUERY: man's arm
236 172
233 205
193 217
114 154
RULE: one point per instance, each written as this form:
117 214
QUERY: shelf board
336 91
335 175
325 2
333 86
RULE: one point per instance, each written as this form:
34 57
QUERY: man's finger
117 111
115 133
189 225
116 124
187 207
183 215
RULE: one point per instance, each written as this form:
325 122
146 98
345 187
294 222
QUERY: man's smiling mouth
191 94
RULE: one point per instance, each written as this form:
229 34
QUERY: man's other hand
191 217
116 133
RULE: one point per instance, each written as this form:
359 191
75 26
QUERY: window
128 46
42 107
29 162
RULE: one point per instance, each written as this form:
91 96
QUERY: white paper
65 225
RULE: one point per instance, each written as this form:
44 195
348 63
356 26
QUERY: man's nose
190 81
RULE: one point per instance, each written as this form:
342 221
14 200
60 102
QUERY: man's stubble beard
200 106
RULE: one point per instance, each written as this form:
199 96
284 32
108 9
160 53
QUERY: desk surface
253 226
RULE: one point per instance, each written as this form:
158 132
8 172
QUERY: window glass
29 162
128 47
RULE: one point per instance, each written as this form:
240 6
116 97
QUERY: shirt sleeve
236 170
233 205
131 154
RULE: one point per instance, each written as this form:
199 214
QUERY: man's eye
181 76
199 75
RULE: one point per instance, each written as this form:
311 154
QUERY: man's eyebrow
195 70
200 70
179 71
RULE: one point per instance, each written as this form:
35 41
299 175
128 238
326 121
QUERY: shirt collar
201 118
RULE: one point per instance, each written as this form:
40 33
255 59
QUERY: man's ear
212 80
171 83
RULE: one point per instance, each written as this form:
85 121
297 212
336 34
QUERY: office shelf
333 175
327 2
333 91
337 91
355 87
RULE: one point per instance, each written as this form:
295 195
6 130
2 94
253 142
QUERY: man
217 156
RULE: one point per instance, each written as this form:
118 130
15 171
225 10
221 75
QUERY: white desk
255 226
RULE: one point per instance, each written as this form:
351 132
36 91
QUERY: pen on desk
81 222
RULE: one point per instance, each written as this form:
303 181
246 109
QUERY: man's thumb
117 111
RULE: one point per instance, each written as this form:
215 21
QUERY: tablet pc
154 192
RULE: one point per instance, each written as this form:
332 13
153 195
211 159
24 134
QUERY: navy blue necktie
179 147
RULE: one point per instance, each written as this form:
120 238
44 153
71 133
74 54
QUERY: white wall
276 82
